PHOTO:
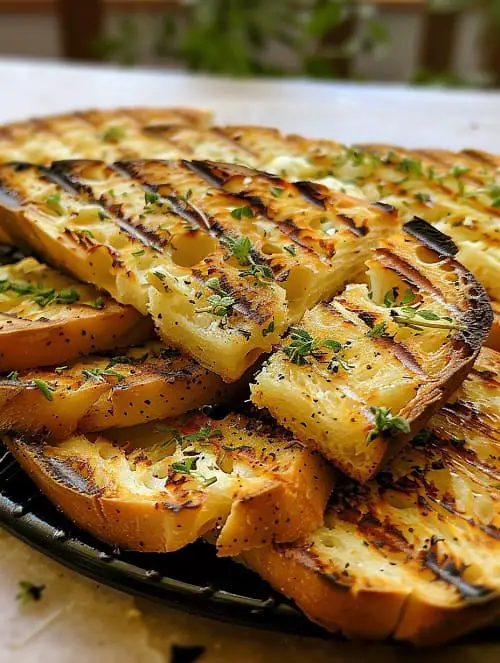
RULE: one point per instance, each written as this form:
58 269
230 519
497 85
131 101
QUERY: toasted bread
413 554
159 487
493 340
97 134
46 317
396 348
141 384
222 271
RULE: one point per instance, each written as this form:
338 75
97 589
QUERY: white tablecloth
79 621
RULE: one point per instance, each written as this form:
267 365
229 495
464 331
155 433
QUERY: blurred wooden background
436 37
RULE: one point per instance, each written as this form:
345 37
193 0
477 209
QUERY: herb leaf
114 134
378 331
29 592
98 374
45 388
384 422
276 191
238 212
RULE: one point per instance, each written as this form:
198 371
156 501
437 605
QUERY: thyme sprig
303 346
409 313
221 303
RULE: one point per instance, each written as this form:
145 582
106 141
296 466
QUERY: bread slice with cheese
361 375
158 487
97 134
458 194
47 317
223 263
122 389
413 554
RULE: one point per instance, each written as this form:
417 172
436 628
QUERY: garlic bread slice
361 375
412 554
97 134
158 487
211 252
459 198
131 387
47 317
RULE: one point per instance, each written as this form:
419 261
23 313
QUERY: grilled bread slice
98 134
158 487
211 251
363 374
413 554
141 384
459 198
46 317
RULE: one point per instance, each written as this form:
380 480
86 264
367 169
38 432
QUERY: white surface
78 621
347 112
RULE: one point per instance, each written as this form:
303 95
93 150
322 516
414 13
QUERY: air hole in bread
427 256
190 249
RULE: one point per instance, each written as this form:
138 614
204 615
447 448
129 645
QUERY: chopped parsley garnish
61 369
459 170
205 433
151 197
99 374
239 212
276 191
29 592
97 303
423 197
290 248
384 422
410 166
161 276
114 134
241 248
136 254
185 467
221 303
13 375
40 295
378 331
241 447
269 329
303 345
54 202
45 388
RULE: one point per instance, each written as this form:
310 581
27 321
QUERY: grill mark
185 209
405 357
243 305
310 192
407 272
433 238
218 131
137 231
451 575
359 231
204 170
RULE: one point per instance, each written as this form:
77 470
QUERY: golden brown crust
410 369
411 554
493 340
109 390
157 488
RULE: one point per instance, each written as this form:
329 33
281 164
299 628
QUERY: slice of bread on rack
414 553
160 486
223 272
361 375
47 317
128 387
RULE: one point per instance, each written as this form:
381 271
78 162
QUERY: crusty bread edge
365 613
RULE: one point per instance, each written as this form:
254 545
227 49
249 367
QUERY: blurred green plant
239 37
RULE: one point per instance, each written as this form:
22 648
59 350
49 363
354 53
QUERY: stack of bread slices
335 300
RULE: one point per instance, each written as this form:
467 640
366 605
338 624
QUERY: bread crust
112 489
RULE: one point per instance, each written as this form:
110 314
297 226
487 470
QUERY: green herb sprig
241 248
303 346
409 314
386 422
